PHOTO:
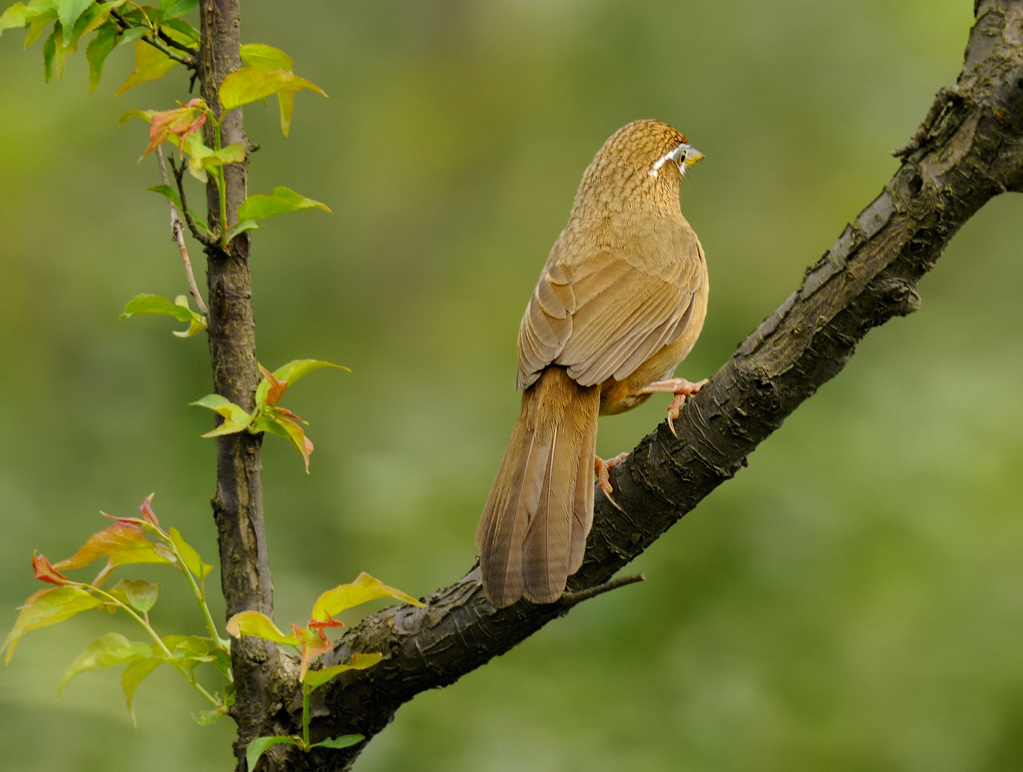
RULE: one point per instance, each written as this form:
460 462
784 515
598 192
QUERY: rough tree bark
968 150
258 666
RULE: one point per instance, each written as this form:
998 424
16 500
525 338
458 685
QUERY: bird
619 304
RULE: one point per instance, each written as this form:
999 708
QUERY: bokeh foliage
852 600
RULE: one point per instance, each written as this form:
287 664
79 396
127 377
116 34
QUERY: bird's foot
681 388
602 469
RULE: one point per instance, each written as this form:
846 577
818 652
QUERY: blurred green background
853 600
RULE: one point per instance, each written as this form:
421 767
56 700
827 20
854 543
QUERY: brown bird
620 302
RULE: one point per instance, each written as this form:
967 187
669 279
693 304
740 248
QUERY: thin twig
178 234
570 599
202 236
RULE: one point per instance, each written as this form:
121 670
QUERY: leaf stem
306 691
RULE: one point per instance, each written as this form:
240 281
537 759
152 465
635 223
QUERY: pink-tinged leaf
297 437
189 554
312 643
45 572
47 607
137 593
150 64
258 626
345 596
146 510
261 745
316 678
123 543
271 388
264 57
179 123
235 419
106 651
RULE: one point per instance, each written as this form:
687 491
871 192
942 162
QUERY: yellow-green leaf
235 419
47 607
189 554
258 625
150 64
260 745
317 678
345 596
264 57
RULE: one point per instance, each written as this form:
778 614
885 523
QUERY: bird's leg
681 388
603 468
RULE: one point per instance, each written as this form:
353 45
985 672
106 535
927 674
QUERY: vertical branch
238 504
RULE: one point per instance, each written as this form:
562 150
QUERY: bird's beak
688 156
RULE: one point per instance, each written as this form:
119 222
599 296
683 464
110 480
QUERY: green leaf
207 717
235 419
68 12
189 554
155 304
264 57
135 674
150 64
106 651
49 52
173 9
137 593
283 201
48 607
345 596
343 741
188 651
315 678
260 745
96 54
258 626
242 227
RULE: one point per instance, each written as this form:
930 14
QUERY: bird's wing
603 317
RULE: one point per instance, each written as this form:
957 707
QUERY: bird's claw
603 469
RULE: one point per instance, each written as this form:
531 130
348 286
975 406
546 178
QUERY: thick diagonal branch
969 150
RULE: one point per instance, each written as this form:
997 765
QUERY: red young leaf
179 122
122 543
276 387
45 572
147 511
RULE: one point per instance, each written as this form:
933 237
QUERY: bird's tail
532 534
